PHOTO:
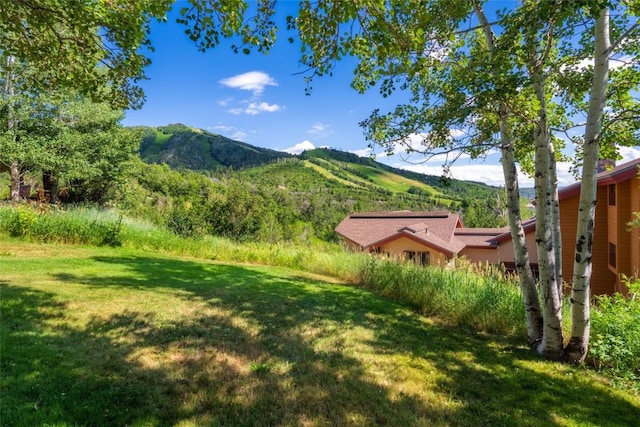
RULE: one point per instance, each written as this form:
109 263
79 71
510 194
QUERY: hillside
183 147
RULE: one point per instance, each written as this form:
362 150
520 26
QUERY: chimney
606 165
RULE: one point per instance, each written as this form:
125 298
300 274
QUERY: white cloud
320 129
262 107
300 147
239 135
488 174
628 154
586 63
253 81
220 128
365 152
414 142
254 108
231 132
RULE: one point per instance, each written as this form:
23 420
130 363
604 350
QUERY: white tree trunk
14 173
552 340
578 346
555 220
521 256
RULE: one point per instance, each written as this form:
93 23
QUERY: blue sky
260 99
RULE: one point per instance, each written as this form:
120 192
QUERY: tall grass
90 226
479 299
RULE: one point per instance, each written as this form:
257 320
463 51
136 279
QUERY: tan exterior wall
623 236
396 248
628 242
481 255
350 245
505 250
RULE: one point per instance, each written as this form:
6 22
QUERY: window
420 258
612 194
612 255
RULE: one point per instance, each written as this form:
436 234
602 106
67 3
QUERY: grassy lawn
100 336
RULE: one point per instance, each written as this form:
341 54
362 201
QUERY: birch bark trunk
14 174
578 345
552 340
521 256
555 219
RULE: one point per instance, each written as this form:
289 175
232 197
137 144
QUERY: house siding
395 249
569 227
481 255
603 280
628 242
506 253
634 252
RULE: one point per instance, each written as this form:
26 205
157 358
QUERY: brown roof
435 229
616 175
479 237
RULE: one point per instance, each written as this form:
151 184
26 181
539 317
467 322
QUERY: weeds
478 299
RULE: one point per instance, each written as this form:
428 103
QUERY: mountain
347 175
183 147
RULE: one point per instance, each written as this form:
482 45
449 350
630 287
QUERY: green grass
392 182
90 226
329 175
121 336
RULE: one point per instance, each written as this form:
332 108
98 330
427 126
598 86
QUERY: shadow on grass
134 368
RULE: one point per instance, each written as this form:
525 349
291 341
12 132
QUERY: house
616 247
437 237
432 238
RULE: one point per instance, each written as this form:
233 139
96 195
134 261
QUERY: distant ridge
184 147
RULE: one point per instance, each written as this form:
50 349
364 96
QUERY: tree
493 83
65 136
87 46
99 48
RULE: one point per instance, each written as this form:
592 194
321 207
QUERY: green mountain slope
365 179
322 169
183 147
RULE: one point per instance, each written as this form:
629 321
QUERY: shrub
20 221
615 333
76 226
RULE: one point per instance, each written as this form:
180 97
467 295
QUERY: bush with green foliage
615 333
